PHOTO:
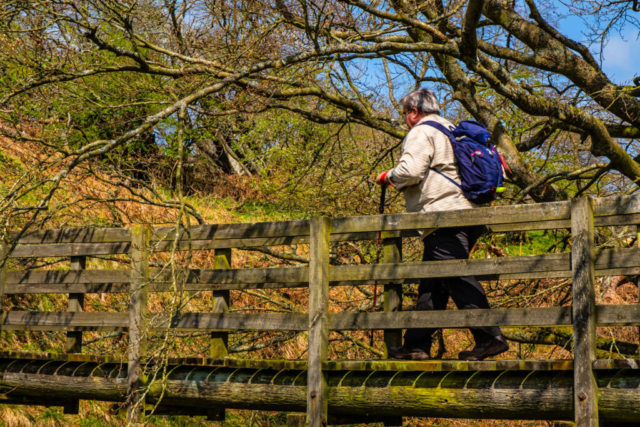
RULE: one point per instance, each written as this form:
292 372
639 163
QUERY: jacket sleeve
417 152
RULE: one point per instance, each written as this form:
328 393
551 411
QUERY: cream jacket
423 149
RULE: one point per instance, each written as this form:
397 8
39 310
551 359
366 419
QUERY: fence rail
582 265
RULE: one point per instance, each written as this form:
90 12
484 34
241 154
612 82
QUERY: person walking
426 150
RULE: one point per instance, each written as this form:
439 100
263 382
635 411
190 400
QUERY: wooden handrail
606 315
608 262
580 215
622 210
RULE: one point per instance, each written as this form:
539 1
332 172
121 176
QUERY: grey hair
424 100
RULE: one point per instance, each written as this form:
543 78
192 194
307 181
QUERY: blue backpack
479 163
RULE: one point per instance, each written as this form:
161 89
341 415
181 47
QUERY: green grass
6 161
526 243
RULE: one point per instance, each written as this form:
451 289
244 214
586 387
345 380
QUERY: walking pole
383 193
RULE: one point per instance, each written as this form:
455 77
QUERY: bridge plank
74 235
85 321
550 316
460 218
220 241
608 262
616 210
68 277
69 249
235 322
236 231
607 315
585 389
76 247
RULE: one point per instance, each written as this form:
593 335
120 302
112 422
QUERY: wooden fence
582 265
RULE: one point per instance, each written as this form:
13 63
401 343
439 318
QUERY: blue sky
620 60
621 55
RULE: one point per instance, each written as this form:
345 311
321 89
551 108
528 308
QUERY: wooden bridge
585 390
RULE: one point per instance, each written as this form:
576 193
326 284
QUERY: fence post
4 249
74 338
585 389
638 278
317 399
76 304
140 239
220 340
392 243
219 347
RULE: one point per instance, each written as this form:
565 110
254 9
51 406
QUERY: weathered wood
608 263
460 218
94 241
236 231
452 268
74 235
116 247
80 288
68 276
138 321
220 340
616 205
599 221
584 312
452 319
76 304
392 290
238 275
317 398
51 321
606 315
550 265
70 249
496 395
618 315
4 249
90 321
235 322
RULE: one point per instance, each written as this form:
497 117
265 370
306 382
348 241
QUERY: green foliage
9 162
52 417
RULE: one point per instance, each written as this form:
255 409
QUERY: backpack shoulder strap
447 132
442 128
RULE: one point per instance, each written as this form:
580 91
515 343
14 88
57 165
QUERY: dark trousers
466 292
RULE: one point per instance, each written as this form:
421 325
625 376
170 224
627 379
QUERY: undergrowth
348 345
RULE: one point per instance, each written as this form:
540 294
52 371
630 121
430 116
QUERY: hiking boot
408 354
493 347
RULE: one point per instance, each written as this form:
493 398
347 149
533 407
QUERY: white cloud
621 57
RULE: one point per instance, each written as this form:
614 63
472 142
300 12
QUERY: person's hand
382 179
